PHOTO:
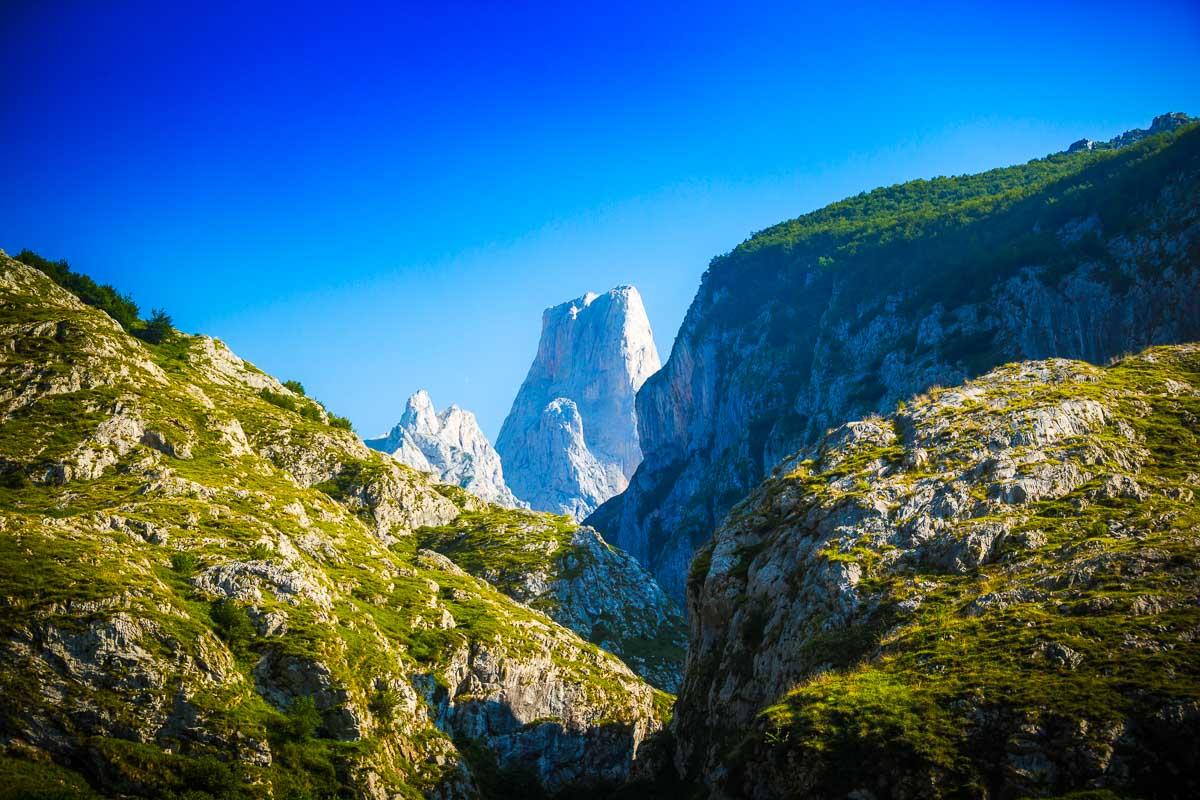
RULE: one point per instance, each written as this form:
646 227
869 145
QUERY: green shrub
211 776
184 563
283 401
309 411
158 329
261 552
302 720
340 422
231 624
14 479
295 386
102 296
383 704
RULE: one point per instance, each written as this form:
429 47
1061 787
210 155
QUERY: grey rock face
570 441
767 361
535 718
605 596
838 565
450 446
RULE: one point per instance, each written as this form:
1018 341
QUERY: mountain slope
849 309
450 446
575 578
570 440
994 592
209 590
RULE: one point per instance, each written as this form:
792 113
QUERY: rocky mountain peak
419 413
449 445
1163 123
1169 121
570 441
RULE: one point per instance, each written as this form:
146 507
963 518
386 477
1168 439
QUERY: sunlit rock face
570 441
449 445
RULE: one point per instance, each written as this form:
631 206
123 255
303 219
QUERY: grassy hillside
211 591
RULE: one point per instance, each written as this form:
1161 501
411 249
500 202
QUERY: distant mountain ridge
570 441
849 309
449 445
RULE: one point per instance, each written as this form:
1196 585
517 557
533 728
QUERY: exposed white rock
449 445
570 441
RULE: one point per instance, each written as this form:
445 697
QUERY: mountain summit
570 441
449 445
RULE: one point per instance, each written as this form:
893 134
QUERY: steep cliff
570 441
847 310
450 446
992 593
211 592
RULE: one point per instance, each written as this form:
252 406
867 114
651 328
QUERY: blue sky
372 198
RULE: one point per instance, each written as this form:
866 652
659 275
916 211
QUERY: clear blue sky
385 198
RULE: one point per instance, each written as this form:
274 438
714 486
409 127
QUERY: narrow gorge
922 468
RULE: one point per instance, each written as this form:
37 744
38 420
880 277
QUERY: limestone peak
570 441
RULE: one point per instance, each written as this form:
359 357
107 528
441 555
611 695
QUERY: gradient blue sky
383 198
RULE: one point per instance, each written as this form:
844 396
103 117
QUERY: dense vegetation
120 307
948 237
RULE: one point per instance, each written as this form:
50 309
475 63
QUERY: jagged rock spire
570 441
449 445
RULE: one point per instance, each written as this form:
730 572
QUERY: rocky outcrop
535 714
450 446
855 307
970 598
573 576
570 441
211 591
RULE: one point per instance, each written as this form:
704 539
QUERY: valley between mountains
910 511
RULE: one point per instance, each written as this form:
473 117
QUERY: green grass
22 779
